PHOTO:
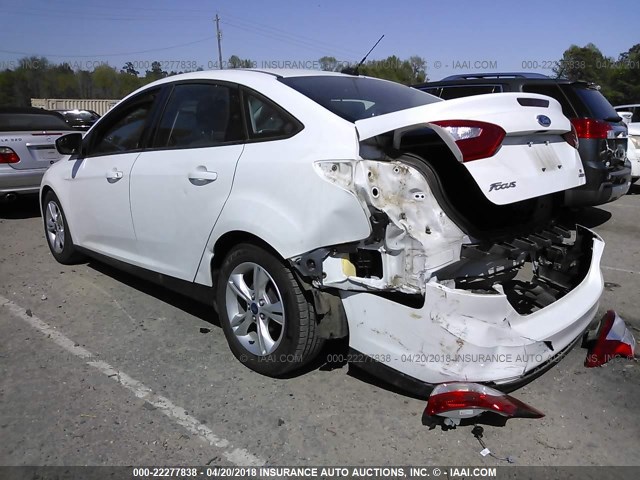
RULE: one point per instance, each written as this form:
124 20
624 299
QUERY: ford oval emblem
544 120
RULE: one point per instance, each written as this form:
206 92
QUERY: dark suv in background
602 133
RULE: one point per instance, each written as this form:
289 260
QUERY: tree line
37 77
618 77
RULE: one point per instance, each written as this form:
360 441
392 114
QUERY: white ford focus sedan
313 205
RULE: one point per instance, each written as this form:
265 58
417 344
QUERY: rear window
597 105
355 98
553 91
20 122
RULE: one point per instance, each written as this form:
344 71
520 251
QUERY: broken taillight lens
614 340
572 137
475 139
464 400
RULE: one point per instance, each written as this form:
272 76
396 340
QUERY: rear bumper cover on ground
458 335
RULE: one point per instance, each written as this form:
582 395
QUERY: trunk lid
533 160
35 149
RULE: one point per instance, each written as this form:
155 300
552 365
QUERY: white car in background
315 205
631 116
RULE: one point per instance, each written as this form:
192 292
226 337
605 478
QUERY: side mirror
69 144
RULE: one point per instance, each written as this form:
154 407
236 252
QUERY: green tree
129 69
419 69
393 68
7 95
127 83
625 82
156 72
329 64
583 63
236 62
104 80
62 81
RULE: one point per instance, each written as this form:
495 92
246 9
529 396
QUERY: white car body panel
166 182
633 152
102 219
314 190
326 215
462 336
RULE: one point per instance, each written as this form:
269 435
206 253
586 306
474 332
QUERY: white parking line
604 267
237 456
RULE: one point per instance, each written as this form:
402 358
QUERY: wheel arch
327 305
228 240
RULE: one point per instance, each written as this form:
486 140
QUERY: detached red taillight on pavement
7 155
614 340
459 400
475 139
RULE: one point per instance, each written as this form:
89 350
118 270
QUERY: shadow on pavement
25 206
333 355
589 217
192 307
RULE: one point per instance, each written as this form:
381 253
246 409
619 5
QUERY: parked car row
314 205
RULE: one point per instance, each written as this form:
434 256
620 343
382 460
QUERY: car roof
237 74
510 78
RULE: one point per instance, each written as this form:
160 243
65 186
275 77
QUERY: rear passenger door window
267 121
200 115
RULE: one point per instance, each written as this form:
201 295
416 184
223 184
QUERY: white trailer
100 106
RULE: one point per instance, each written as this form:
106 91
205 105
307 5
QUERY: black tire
299 342
68 254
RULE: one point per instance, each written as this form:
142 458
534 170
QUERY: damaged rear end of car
466 275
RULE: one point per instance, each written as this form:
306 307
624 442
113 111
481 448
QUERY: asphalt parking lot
99 368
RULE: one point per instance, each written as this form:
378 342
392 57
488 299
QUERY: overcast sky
453 36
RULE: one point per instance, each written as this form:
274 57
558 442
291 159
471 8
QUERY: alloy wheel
255 309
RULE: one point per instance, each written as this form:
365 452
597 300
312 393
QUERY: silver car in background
27 148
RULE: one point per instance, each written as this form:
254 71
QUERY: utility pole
219 36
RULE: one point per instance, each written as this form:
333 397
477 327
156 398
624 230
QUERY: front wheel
268 323
56 229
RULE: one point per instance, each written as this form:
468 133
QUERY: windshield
355 98
83 116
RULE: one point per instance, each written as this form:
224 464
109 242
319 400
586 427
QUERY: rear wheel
56 229
269 325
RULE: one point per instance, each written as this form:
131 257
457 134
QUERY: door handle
202 176
114 175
